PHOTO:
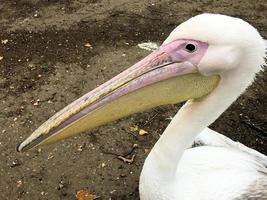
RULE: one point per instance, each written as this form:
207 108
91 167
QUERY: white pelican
209 61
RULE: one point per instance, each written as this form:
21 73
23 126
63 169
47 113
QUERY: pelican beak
163 77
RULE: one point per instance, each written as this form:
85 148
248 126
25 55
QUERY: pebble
103 165
80 148
4 41
15 163
19 183
88 45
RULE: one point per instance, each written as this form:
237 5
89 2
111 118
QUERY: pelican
207 61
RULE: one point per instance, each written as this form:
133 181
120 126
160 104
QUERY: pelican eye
190 47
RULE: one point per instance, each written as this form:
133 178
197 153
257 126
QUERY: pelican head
195 59
232 43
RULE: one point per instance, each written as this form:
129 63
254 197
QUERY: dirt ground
45 64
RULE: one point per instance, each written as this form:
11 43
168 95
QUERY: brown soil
46 65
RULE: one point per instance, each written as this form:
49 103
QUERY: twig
130 132
150 120
126 160
259 130
124 155
131 151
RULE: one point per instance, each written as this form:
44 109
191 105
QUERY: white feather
149 46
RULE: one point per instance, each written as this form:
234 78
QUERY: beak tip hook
18 148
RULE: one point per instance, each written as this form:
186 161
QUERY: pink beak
111 100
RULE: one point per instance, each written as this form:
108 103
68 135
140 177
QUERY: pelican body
207 61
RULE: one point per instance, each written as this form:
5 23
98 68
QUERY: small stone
80 148
122 175
37 102
31 65
19 183
50 156
4 41
135 145
15 163
88 45
113 191
146 151
103 165
60 185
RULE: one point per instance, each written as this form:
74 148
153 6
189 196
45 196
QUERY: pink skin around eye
177 51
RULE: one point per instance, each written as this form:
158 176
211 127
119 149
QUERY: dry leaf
88 45
138 130
85 195
142 132
134 128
